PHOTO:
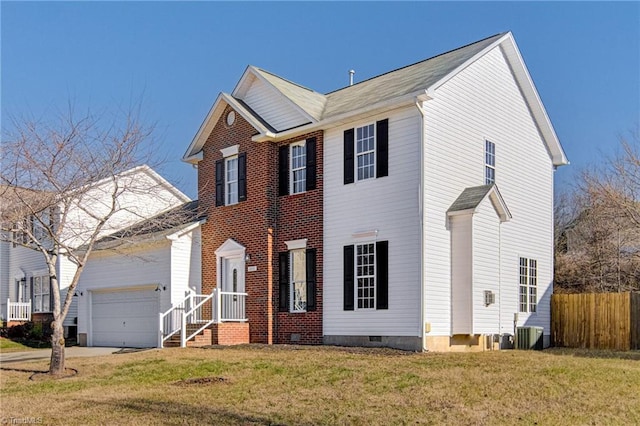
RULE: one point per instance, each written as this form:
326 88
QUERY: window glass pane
232 180
298 280
365 150
365 274
298 168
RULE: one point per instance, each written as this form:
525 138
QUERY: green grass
325 385
7 345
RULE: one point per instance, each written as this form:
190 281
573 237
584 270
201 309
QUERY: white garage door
125 318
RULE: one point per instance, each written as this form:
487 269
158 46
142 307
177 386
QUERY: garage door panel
125 318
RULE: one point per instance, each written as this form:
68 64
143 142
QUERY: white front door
233 275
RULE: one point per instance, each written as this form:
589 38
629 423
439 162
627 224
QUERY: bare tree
66 184
598 243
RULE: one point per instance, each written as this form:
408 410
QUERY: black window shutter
283 303
382 148
348 156
220 183
311 279
311 163
242 176
348 277
382 275
283 170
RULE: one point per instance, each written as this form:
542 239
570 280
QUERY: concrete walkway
71 352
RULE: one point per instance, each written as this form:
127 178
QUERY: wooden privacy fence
596 320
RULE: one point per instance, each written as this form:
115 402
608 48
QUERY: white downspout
421 214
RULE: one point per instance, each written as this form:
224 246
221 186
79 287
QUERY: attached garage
125 317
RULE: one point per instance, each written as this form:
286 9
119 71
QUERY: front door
233 275
232 305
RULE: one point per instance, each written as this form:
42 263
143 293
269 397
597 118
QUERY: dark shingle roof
470 198
154 228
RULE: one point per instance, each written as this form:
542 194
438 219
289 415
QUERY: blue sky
584 58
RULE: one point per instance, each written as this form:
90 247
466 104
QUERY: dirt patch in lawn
201 381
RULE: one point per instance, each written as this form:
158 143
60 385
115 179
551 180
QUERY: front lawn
325 385
8 345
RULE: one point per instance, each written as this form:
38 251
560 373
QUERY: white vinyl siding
456 127
389 206
272 106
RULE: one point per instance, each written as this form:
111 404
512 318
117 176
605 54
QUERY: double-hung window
298 262
366 152
297 167
366 276
489 162
41 294
231 177
231 180
528 285
297 268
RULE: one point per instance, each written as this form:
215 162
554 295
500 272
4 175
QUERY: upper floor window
231 180
297 167
231 177
366 152
528 285
489 162
298 176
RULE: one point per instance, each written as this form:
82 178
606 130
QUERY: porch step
201 339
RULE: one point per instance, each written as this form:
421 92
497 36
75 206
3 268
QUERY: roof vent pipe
351 73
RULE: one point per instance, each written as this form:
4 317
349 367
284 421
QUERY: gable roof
470 199
406 80
405 84
156 228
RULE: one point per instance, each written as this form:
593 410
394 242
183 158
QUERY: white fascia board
242 87
521 73
388 105
499 204
183 231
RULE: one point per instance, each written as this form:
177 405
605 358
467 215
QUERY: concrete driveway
71 352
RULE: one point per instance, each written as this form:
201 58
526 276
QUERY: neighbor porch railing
198 311
18 311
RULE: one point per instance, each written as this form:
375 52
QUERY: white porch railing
18 311
198 311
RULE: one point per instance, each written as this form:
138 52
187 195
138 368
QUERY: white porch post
160 330
219 305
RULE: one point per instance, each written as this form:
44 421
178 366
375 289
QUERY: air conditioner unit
530 338
489 298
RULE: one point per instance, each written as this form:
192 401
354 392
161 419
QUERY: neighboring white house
24 282
437 194
128 282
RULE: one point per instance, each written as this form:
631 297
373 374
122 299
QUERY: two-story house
413 209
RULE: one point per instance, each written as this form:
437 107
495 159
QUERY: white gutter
418 104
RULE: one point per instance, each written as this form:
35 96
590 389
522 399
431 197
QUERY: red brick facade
262 223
